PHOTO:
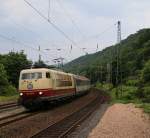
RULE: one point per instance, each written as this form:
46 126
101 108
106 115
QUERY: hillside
134 52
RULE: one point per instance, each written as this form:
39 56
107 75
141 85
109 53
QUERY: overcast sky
86 22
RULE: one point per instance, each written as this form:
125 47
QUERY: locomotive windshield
30 76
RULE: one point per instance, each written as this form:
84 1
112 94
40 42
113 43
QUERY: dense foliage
5 86
10 66
134 52
146 72
13 64
133 65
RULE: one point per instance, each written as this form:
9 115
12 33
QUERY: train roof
55 71
34 70
43 69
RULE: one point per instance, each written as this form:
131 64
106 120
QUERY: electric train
44 85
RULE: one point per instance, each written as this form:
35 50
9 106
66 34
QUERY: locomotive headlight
40 93
21 94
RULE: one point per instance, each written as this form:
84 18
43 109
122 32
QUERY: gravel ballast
122 121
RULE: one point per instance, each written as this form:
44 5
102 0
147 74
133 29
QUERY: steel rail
14 118
8 105
65 126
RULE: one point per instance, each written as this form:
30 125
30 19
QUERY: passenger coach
42 85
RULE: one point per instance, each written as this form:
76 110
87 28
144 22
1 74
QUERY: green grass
9 93
127 95
106 87
145 106
8 98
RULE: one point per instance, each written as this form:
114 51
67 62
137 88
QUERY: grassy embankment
10 94
8 98
126 94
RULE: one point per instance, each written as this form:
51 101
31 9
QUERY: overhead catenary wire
75 42
76 26
70 18
31 31
53 25
16 41
49 9
23 44
22 26
97 47
97 35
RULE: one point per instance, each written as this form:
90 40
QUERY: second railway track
8 105
14 118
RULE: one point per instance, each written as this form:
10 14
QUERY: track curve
63 128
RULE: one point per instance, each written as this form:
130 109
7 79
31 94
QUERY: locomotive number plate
30 86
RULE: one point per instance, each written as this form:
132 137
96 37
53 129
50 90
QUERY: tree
3 76
146 72
40 64
144 85
13 64
3 79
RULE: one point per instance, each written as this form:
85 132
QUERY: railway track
15 117
64 127
8 105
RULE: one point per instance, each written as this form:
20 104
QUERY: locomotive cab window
30 76
25 76
48 75
36 75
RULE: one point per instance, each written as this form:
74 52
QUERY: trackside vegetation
10 66
133 76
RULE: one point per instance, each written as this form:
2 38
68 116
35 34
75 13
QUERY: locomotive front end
34 84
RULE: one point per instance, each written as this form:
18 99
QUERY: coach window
48 75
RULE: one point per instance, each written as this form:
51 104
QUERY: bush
106 86
3 79
128 92
145 106
5 87
146 94
146 72
3 76
9 91
98 85
132 82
